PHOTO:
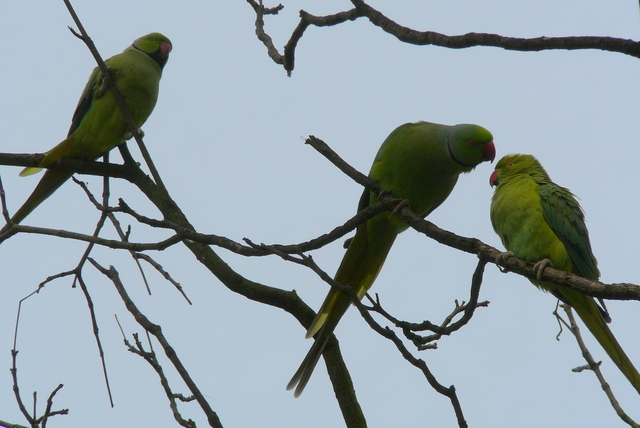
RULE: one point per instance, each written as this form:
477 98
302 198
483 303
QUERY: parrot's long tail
303 374
48 184
359 267
590 314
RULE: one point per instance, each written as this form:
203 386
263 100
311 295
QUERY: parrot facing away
98 124
418 162
539 221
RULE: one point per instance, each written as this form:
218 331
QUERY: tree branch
617 291
156 331
430 38
592 364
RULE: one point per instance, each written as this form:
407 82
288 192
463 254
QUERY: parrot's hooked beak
489 152
493 180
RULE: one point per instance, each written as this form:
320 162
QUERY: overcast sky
227 137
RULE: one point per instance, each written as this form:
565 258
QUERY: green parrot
98 124
418 162
541 222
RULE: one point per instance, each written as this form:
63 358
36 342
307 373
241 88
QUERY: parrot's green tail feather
30 171
359 268
300 379
48 184
62 149
590 314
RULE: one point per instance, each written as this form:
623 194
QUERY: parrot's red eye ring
510 164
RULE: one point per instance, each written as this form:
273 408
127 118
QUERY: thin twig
592 365
326 151
48 412
96 333
158 267
34 420
112 218
156 331
16 388
5 424
3 200
447 327
151 358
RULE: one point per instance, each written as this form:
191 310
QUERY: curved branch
617 291
422 38
425 38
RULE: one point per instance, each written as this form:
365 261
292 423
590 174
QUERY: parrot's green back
536 219
419 162
98 123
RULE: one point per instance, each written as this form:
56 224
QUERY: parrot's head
470 145
156 46
514 165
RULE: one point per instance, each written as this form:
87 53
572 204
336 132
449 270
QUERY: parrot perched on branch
98 124
541 222
418 162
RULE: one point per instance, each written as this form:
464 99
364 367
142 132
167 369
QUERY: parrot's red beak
493 180
489 151
165 48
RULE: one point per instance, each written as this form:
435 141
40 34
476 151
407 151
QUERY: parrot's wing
565 217
86 99
84 104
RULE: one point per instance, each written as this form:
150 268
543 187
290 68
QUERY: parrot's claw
401 204
103 85
129 134
539 267
383 192
500 260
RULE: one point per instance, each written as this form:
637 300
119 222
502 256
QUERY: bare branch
151 358
592 364
447 326
158 267
156 331
260 10
33 420
105 214
307 19
5 424
96 332
425 38
48 412
3 201
326 151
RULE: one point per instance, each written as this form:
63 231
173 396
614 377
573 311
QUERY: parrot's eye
510 164
471 143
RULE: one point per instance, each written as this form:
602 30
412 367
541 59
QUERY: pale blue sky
227 136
